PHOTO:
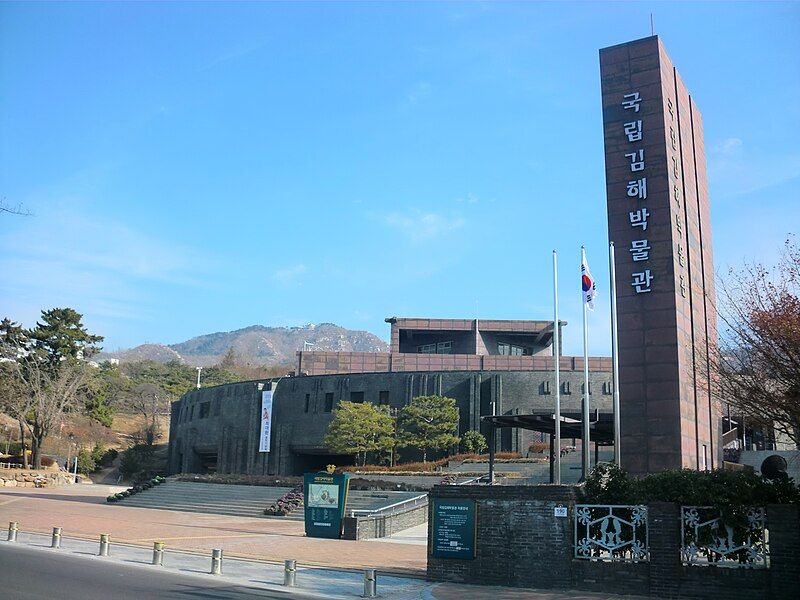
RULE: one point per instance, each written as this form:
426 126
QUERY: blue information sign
454 526
325 498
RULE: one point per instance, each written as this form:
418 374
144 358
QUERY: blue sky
203 167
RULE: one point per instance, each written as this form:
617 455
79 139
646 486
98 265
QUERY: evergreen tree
358 428
429 423
60 335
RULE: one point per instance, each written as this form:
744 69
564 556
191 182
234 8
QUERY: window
308 401
545 387
191 413
328 401
608 388
383 397
356 396
583 388
566 388
205 410
437 348
505 349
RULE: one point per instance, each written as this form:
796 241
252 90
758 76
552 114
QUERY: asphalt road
27 573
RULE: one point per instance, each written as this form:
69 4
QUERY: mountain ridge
254 345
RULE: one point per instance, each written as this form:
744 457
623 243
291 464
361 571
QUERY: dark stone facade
217 428
659 220
521 543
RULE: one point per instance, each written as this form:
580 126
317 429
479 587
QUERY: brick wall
521 543
337 363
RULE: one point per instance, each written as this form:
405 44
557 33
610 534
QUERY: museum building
499 367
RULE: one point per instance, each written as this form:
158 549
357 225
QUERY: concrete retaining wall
372 527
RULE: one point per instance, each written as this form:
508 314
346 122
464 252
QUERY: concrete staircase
244 500
213 498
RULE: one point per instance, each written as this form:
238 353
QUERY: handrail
473 480
366 512
10 465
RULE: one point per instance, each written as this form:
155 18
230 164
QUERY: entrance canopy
601 430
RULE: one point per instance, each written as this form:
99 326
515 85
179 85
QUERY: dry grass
422 467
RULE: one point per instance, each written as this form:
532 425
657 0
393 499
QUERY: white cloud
735 169
727 147
290 274
98 266
420 226
468 199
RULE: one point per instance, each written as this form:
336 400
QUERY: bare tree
758 364
149 401
14 210
49 392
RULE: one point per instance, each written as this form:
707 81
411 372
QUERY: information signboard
325 499
454 525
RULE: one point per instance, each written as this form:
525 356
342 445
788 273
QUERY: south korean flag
588 284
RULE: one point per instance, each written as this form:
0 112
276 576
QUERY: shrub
86 463
608 484
140 463
47 461
473 442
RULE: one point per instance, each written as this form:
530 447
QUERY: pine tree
429 423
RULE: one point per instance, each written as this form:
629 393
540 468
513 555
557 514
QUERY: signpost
325 499
454 527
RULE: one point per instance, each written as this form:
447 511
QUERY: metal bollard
56 541
103 544
370 583
216 562
158 553
289 573
13 527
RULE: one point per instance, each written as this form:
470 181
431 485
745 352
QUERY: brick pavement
83 512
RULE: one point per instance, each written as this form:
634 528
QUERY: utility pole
198 376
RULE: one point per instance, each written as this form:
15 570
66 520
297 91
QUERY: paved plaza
254 549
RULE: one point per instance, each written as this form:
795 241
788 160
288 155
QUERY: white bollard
216 562
289 573
370 583
158 553
13 527
103 545
56 541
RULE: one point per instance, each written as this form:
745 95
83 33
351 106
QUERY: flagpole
615 356
585 457
556 458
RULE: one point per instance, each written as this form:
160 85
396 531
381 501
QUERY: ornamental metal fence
736 539
607 532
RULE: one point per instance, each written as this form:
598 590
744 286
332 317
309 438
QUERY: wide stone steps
243 500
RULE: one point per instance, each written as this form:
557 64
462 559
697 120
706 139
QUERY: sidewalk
254 549
311 582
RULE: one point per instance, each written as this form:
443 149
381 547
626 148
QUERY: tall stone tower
659 221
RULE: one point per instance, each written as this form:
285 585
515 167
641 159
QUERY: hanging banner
266 420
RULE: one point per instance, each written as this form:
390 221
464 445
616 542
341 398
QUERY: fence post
664 531
13 527
56 541
216 562
370 583
158 553
289 573
103 545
